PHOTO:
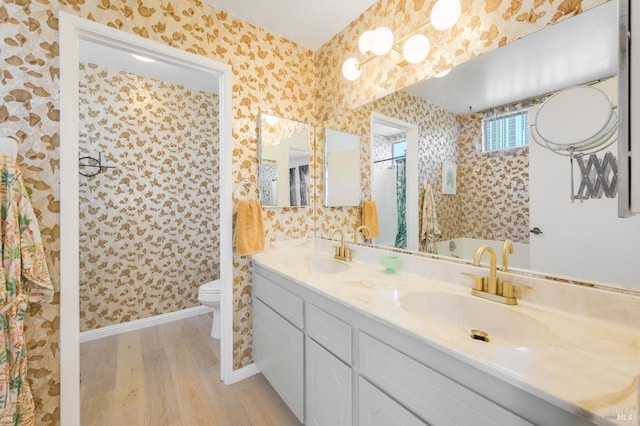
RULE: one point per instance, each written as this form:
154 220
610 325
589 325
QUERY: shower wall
149 229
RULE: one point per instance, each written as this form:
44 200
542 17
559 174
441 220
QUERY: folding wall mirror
341 168
284 153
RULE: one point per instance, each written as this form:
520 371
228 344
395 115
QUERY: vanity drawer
280 300
329 331
432 396
377 409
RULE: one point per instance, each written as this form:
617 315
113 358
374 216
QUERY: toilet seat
212 287
209 292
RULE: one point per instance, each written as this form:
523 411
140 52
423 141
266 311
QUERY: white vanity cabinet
278 345
336 366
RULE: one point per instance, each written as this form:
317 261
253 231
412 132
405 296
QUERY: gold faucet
492 280
362 228
507 249
490 287
342 252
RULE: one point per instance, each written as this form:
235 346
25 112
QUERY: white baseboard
243 373
112 330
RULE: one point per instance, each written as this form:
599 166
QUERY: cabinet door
328 389
377 409
278 353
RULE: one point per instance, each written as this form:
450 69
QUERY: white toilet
209 295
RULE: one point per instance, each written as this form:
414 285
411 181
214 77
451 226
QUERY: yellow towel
249 235
370 218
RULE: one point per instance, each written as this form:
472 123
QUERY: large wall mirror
341 173
507 193
284 152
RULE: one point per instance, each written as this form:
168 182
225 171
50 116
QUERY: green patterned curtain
401 190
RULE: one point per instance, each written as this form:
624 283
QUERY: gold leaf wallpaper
493 188
271 74
150 228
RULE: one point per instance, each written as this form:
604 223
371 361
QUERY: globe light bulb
365 42
416 48
350 69
382 41
270 119
445 14
142 58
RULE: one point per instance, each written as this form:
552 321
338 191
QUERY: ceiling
308 23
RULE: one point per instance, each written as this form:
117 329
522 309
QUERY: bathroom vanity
344 343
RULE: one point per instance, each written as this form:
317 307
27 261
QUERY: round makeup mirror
564 128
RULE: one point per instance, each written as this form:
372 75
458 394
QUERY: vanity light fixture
142 58
413 48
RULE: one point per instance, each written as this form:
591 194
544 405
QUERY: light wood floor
170 375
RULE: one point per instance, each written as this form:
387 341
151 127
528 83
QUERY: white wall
581 239
280 154
344 183
384 186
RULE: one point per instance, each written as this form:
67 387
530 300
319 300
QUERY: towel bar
245 184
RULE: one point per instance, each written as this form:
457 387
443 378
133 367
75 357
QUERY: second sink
505 325
323 265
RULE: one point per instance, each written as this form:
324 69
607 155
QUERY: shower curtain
303 172
384 188
401 190
25 279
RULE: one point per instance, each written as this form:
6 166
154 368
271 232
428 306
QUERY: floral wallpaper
438 136
271 74
149 229
493 187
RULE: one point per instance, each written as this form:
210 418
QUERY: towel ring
366 190
245 184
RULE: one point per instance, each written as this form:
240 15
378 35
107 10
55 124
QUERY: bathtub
465 248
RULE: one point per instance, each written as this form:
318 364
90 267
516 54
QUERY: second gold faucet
490 287
342 251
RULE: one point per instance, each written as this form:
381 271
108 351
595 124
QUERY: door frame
411 162
73 30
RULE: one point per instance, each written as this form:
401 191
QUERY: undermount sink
504 325
323 265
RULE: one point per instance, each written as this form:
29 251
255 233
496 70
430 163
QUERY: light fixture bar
411 48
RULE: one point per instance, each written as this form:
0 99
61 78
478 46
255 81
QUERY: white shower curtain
384 188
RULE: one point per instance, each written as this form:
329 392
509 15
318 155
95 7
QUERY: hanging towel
249 235
431 230
370 219
24 278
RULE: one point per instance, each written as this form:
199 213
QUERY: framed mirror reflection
341 174
284 152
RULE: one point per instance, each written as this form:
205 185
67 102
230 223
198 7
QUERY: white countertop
588 364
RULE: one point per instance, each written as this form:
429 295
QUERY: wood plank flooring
169 375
